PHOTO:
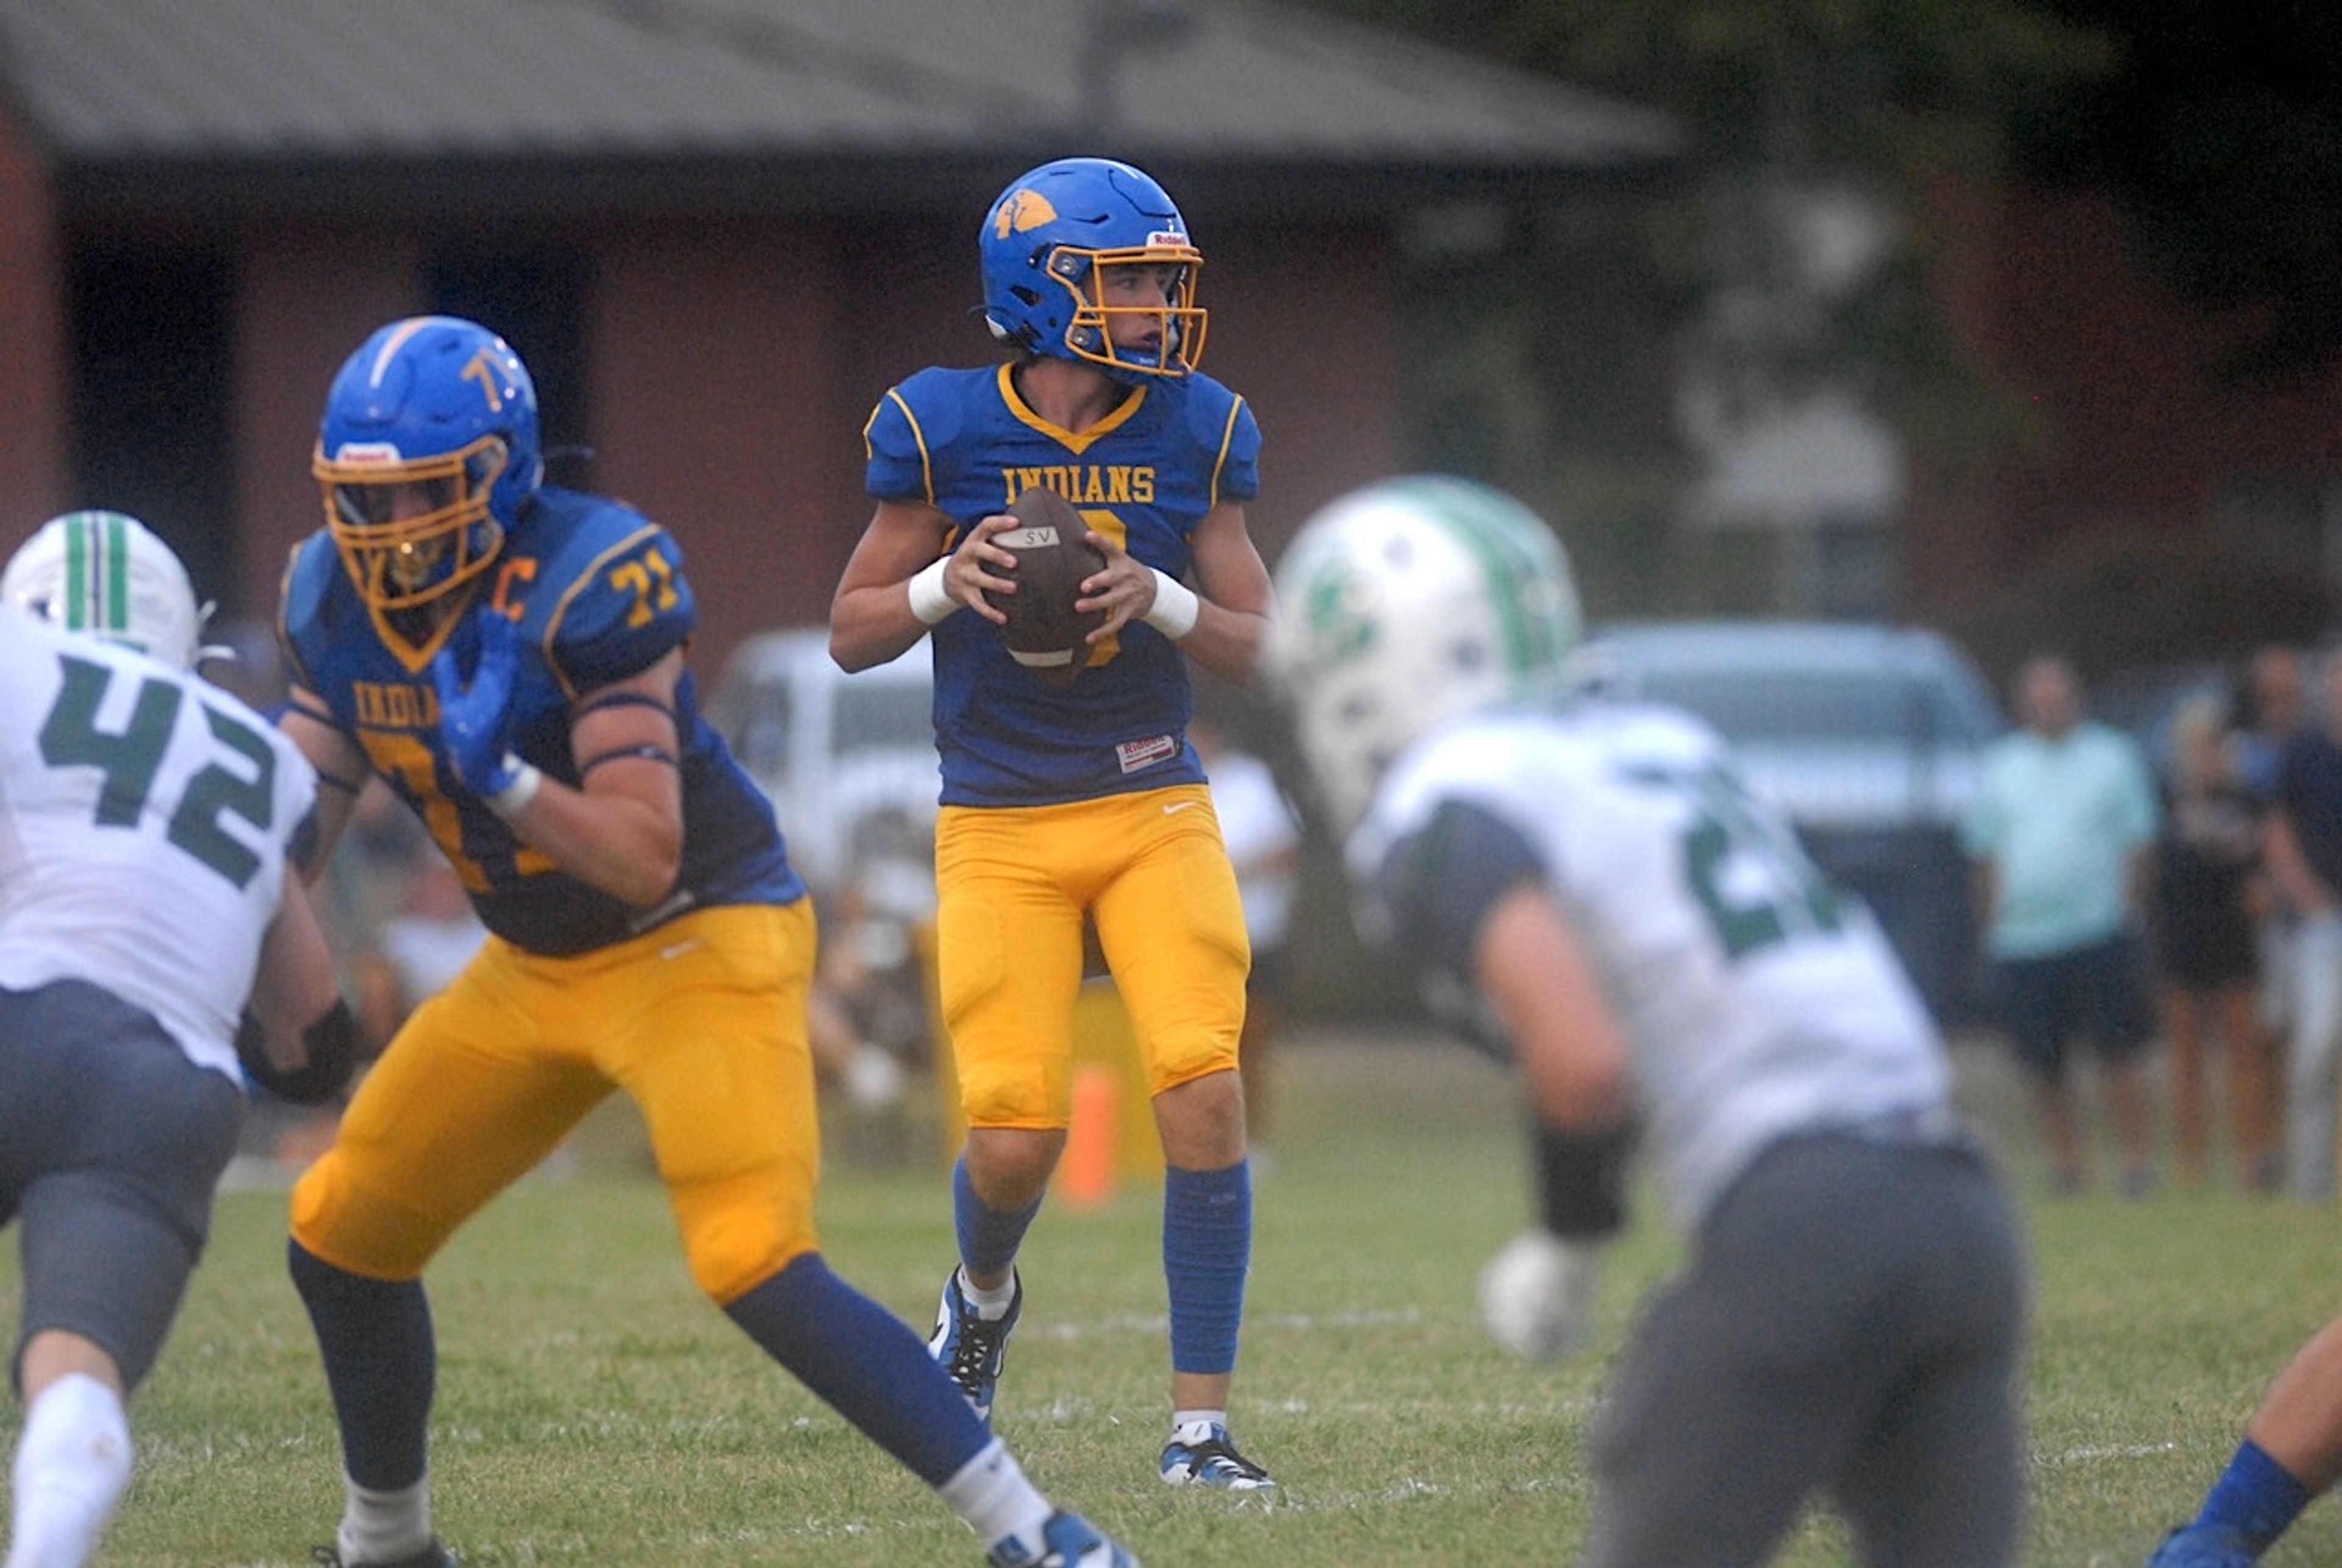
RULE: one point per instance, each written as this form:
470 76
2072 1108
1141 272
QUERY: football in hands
1053 558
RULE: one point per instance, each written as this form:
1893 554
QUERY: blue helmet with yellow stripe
1055 244
427 449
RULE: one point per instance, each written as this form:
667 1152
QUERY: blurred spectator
2208 890
2268 718
1263 844
2305 858
869 1002
377 859
420 945
2061 835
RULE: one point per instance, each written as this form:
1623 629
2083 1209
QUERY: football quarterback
1075 803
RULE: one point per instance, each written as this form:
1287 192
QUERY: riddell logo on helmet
1168 238
368 454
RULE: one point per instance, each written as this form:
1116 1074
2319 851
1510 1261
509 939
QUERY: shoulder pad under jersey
611 597
912 423
1221 426
308 611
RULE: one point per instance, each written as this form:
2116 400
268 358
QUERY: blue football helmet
1052 247
427 449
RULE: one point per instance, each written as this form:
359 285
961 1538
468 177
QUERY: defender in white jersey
156 948
1591 887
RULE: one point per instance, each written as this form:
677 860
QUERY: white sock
1196 1425
990 1304
384 1526
990 1492
73 1464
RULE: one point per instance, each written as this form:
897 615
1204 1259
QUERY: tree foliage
2217 127
2220 132
1814 128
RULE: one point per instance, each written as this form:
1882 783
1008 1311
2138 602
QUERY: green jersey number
1746 868
132 757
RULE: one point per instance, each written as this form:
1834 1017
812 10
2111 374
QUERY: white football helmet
1405 603
106 573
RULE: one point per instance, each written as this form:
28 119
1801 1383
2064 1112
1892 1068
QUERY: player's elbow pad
334 1042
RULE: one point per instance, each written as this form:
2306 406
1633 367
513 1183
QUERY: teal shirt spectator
2062 820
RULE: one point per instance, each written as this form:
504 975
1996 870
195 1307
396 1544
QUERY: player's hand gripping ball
1537 1294
1053 557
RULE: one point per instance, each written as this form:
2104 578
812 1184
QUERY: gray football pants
1851 1328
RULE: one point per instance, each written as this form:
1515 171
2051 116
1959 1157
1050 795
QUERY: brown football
1053 558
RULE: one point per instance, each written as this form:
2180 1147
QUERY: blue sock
866 1363
2255 1496
1207 1251
988 1237
375 1336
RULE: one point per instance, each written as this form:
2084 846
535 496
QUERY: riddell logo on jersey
1145 754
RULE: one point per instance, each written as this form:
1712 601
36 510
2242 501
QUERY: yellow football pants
702 1022
1014 884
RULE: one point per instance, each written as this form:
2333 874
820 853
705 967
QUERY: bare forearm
869 626
615 843
1226 643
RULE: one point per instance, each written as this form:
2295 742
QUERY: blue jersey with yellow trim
965 442
600 596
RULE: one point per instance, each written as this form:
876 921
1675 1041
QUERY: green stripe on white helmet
1407 603
106 573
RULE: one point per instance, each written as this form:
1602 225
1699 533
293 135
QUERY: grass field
593 1409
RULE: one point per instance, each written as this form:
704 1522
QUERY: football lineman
156 949
1592 885
1081 805
508 655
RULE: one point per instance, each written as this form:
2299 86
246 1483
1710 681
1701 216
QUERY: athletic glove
334 1043
475 721
1537 1294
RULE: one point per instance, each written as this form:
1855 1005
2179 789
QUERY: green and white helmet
106 573
1406 602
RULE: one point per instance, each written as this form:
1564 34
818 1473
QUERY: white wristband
930 600
527 779
1176 606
